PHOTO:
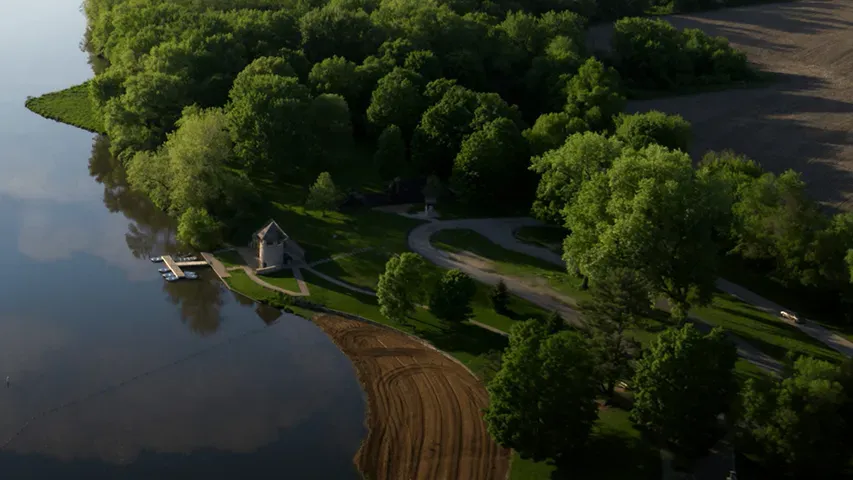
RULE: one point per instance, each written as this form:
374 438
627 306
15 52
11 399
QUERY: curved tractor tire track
425 410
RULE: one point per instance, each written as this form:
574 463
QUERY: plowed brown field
425 419
804 120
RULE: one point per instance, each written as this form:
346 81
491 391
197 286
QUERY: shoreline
424 415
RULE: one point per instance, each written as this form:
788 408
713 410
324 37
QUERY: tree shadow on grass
613 454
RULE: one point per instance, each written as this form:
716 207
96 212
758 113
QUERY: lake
113 372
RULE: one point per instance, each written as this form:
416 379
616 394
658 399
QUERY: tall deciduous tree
397 100
323 195
595 95
643 129
336 75
400 287
802 425
619 300
451 298
198 229
390 156
269 119
491 165
564 170
683 382
551 131
542 400
650 212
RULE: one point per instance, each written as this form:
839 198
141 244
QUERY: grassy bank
71 106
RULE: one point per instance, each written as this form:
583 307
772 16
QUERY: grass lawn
283 279
547 237
616 451
766 332
71 106
511 263
230 258
362 269
241 282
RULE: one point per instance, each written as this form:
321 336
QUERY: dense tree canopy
801 425
684 380
542 401
650 212
643 129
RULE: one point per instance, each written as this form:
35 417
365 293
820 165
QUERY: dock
177 267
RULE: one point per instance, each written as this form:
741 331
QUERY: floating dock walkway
176 267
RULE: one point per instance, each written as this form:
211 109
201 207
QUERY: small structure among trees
270 242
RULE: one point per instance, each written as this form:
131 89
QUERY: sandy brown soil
425 419
804 121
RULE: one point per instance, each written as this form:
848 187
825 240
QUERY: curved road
500 231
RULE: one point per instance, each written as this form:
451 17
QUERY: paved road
500 231
419 242
827 337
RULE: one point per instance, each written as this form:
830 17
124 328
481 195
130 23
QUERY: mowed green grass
511 263
71 106
283 279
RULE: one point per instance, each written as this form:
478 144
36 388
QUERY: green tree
332 132
332 30
400 287
390 156
551 131
269 119
451 298
446 124
619 301
198 229
425 63
397 100
323 195
774 219
491 165
798 426
595 95
499 296
554 322
564 170
684 380
335 75
652 213
542 400
643 129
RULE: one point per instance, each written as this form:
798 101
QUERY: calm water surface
114 373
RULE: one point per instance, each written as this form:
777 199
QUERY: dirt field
802 122
425 419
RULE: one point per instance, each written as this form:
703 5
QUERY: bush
654 55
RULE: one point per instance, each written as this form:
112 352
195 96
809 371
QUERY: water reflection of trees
151 232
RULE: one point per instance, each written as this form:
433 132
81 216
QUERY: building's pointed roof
271 229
